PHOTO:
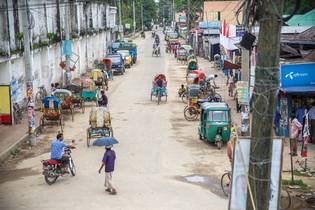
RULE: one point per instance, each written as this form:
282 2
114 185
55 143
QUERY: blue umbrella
106 141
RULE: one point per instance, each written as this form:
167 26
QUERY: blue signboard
298 75
66 47
209 25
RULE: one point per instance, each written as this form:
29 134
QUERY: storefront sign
301 74
242 92
5 105
240 30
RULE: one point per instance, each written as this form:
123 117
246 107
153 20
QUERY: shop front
297 92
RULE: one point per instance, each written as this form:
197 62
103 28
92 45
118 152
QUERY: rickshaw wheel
42 123
61 123
165 98
71 111
190 113
159 98
151 97
82 106
88 137
219 144
184 98
111 132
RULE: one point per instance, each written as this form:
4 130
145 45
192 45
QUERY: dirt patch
8 169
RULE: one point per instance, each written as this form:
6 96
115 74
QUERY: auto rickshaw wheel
111 132
88 137
219 144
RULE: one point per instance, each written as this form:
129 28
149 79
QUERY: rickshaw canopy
62 92
159 76
51 102
201 75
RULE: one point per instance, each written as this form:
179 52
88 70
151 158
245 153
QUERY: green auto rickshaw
215 123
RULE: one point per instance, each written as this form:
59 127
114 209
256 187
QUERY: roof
211 105
227 11
307 19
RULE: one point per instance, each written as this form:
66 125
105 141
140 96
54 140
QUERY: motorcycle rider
156 44
56 152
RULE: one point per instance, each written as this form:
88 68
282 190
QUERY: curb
6 154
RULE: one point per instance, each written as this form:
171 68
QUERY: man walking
109 163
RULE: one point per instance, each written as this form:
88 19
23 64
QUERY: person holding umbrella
109 163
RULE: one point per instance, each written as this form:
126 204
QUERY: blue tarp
209 25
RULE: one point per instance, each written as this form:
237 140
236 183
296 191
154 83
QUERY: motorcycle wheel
72 167
50 179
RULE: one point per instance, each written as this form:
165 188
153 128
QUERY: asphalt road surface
161 164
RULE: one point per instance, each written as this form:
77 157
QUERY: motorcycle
52 169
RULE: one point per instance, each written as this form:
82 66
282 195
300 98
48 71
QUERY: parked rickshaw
100 124
76 97
89 91
192 65
51 109
65 99
159 85
100 80
192 110
215 123
181 54
193 91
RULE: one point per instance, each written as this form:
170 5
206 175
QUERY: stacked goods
99 117
51 114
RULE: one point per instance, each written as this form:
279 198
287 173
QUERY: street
161 163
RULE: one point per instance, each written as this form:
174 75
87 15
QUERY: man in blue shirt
109 163
56 150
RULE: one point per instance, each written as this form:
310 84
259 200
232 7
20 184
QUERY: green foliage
19 36
302 186
15 152
306 5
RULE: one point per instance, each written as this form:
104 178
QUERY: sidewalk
12 135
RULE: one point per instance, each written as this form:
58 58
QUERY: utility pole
188 15
121 31
134 17
28 73
67 39
142 26
174 12
264 100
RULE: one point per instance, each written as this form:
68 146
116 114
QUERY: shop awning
299 89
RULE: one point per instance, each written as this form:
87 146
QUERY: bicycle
225 182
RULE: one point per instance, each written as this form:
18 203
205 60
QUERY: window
218 116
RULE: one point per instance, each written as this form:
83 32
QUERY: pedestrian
52 86
230 145
231 85
311 115
294 130
109 163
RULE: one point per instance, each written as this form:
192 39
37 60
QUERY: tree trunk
264 100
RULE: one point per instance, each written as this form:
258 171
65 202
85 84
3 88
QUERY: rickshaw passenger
160 83
103 100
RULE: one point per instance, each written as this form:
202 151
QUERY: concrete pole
134 17
67 38
142 27
28 73
174 12
120 21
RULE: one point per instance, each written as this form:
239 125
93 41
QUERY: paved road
158 150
